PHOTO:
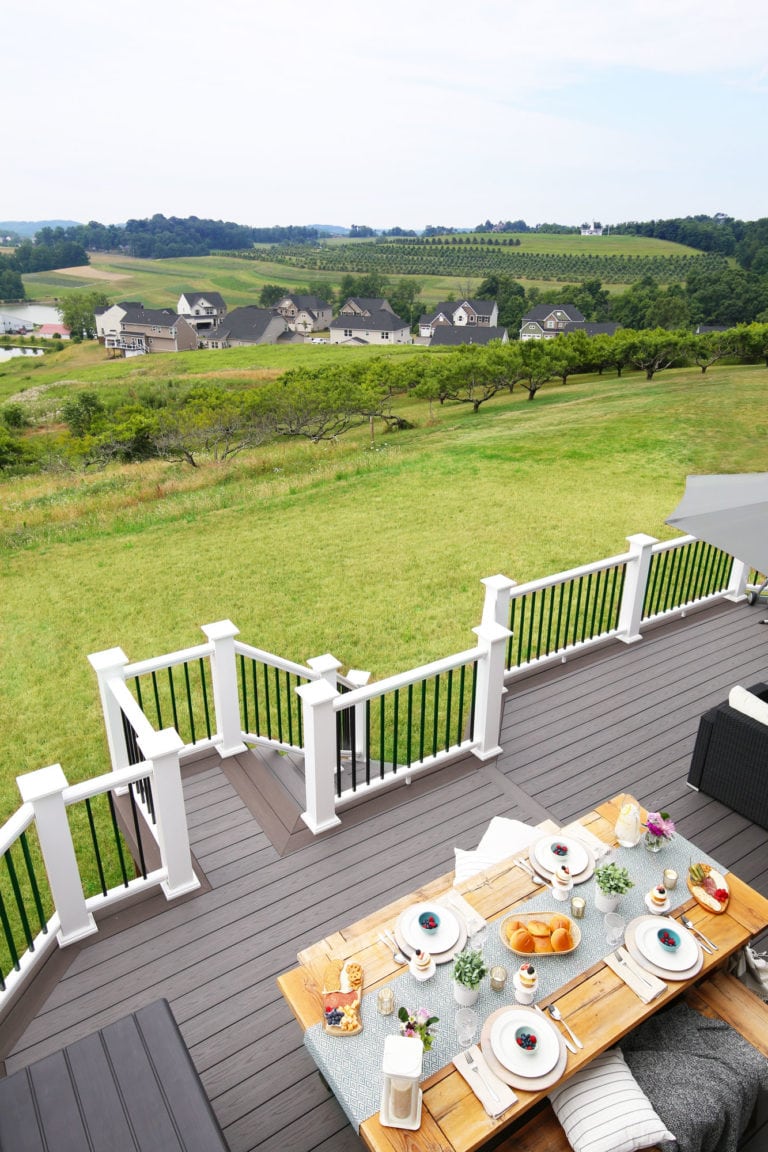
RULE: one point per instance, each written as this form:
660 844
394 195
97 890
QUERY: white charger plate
576 858
538 1022
647 940
441 940
630 944
506 1049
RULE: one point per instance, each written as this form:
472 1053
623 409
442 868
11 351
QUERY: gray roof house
373 325
244 326
109 317
304 313
365 306
460 313
144 330
203 310
547 320
448 335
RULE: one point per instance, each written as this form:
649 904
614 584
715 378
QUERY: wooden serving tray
347 995
708 902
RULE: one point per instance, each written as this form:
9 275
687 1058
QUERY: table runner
351 1065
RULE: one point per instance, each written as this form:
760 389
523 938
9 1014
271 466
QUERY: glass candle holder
385 1001
578 907
670 878
498 978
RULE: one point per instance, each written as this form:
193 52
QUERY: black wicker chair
730 759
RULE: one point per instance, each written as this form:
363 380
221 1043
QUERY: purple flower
659 824
422 1016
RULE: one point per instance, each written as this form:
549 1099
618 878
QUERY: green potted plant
612 882
468 970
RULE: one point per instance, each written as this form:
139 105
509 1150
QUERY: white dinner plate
647 940
435 942
512 1056
576 856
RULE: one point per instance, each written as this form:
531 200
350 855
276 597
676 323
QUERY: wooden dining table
600 1007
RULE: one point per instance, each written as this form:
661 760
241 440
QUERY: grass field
159 283
371 552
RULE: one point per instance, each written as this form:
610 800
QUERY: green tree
654 350
271 293
537 365
214 423
83 413
77 313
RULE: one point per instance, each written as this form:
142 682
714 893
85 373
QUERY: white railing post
109 665
496 603
226 699
163 749
490 689
635 584
326 667
319 754
737 584
359 679
44 790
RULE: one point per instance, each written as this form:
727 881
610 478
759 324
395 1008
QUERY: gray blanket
701 1076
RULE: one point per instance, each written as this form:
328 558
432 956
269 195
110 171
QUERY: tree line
207 423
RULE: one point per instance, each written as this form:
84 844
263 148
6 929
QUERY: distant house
304 313
363 320
53 331
547 320
460 313
202 310
150 330
12 324
446 335
246 325
593 229
110 316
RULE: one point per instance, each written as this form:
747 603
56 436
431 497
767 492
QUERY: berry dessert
658 896
560 849
526 1039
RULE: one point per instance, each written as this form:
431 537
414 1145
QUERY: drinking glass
466 1027
478 938
614 929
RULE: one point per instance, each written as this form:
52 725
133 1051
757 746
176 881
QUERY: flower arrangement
660 829
613 879
418 1024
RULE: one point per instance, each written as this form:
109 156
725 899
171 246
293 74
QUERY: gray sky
397 113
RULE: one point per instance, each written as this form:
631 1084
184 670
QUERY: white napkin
502 838
643 983
473 921
505 1097
597 847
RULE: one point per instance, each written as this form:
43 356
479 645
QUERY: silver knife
692 928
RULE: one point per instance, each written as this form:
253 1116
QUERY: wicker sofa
730 759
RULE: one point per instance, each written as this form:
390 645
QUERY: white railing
46 796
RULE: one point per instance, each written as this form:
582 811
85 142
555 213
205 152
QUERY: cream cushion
748 704
604 1109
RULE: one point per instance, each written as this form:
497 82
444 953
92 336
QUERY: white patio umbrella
730 512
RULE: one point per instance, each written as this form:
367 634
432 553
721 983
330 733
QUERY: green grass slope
373 552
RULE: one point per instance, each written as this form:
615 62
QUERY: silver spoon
398 956
555 1013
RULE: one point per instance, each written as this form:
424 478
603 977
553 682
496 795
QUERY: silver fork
475 1067
635 970
707 944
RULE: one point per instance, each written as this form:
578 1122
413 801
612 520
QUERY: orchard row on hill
430 259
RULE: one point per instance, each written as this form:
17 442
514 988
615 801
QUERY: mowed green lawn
373 554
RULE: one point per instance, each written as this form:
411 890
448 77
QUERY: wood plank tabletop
600 1006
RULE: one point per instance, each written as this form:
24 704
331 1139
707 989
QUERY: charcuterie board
708 888
342 993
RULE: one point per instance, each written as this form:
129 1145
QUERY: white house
460 313
202 310
368 321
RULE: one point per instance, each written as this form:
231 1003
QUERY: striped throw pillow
603 1109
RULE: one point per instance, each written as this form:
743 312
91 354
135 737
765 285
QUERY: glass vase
653 843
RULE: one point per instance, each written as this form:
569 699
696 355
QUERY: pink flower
659 824
422 1016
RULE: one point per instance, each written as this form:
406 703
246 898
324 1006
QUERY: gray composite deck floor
619 719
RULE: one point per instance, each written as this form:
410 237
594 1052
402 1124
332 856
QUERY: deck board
623 718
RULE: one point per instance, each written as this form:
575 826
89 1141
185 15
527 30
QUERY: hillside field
371 550
159 283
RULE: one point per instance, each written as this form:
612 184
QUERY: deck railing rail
55 882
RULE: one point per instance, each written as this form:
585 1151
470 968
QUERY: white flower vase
605 901
467 997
